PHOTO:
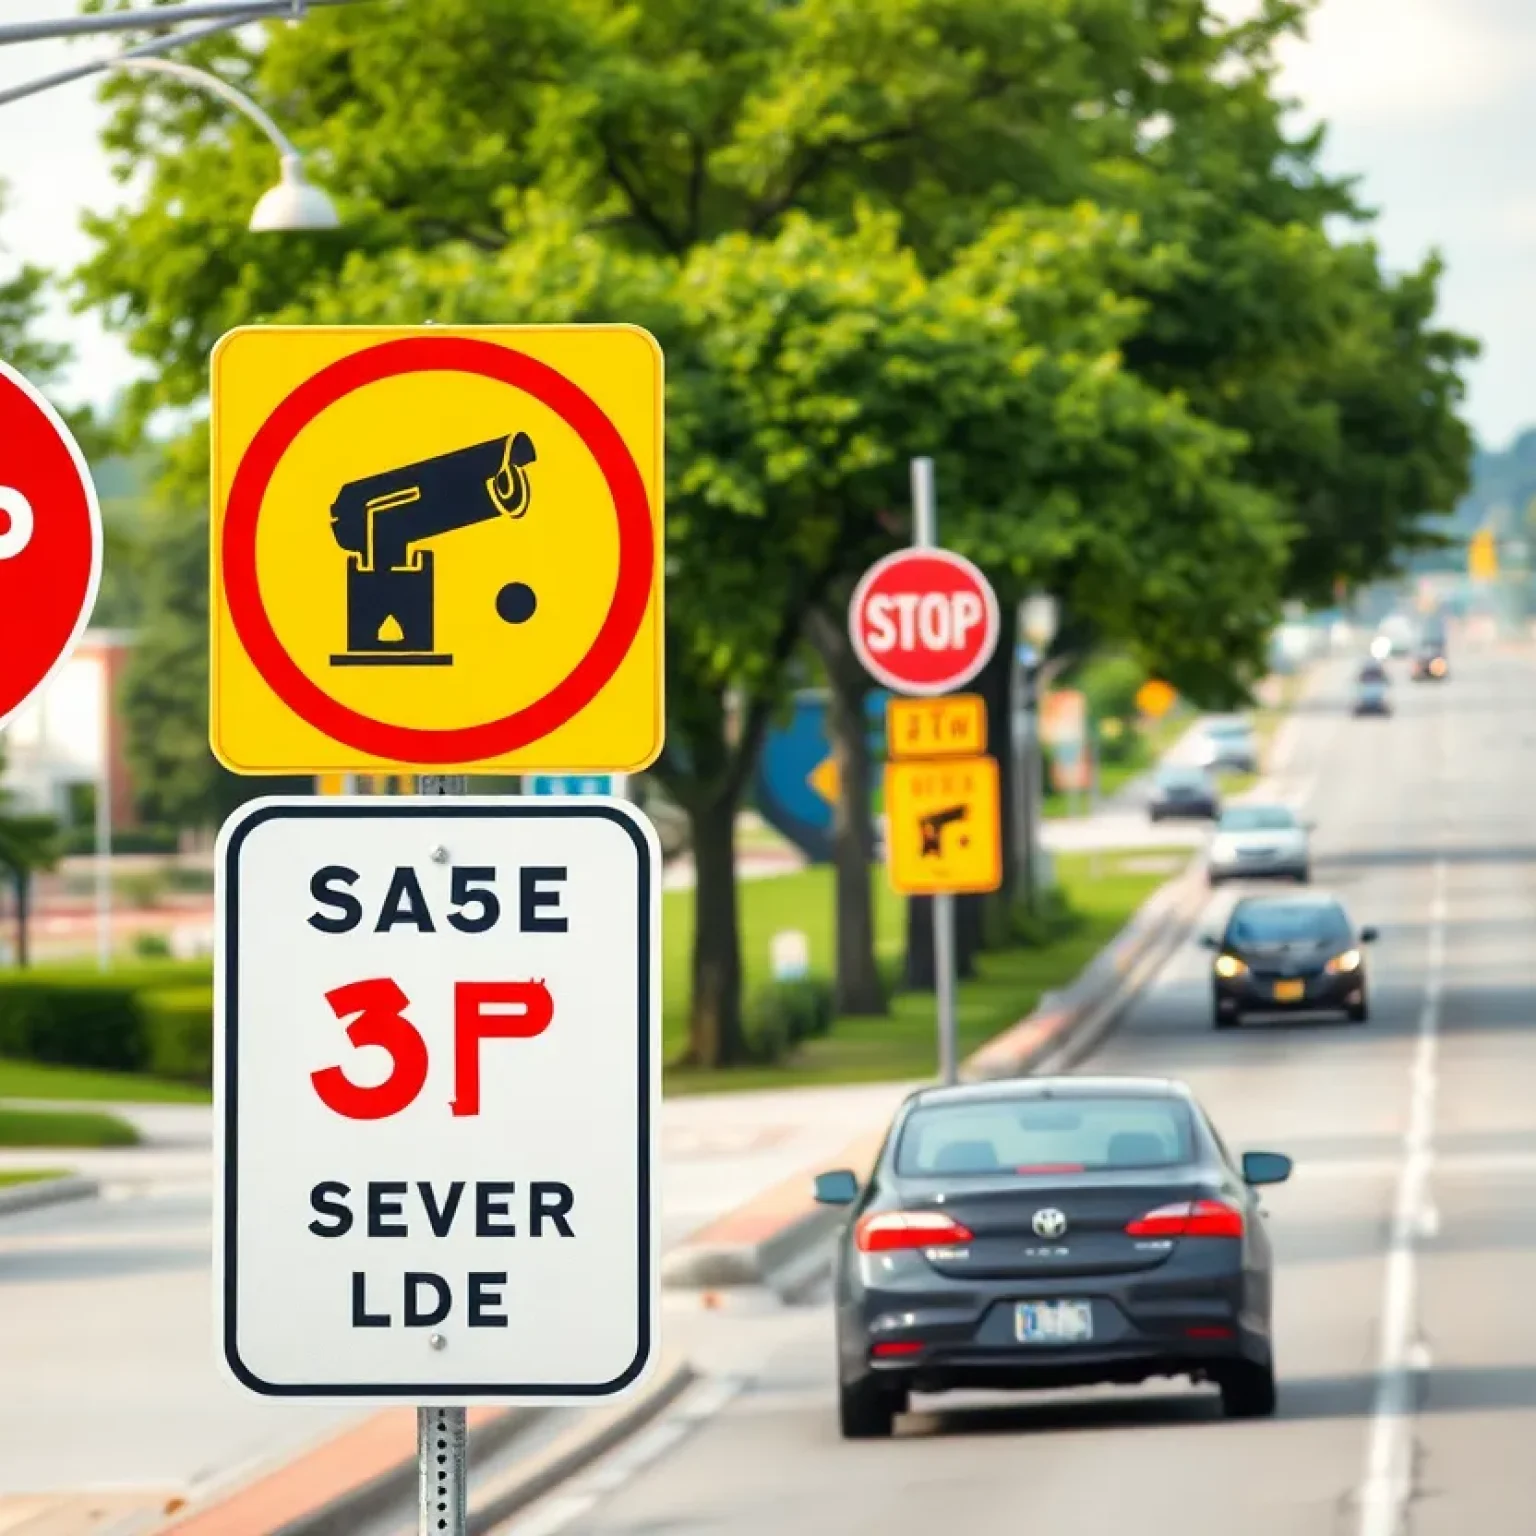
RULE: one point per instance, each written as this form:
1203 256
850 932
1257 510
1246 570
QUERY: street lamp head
295 203
1038 619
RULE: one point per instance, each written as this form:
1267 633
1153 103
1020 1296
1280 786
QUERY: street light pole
295 202
238 12
1036 621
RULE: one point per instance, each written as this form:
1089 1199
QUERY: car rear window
1256 818
1180 776
1287 923
1030 1135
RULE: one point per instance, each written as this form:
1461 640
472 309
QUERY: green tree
719 168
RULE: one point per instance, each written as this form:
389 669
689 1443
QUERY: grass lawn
901 1045
64 1128
32 1080
11 1177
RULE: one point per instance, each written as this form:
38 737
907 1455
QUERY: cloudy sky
1431 102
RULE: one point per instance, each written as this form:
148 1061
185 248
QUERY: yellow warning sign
1483 556
826 779
1155 698
437 549
954 725
942 826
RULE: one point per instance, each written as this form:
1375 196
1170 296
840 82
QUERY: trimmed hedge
783 1013
180 1021
154 1018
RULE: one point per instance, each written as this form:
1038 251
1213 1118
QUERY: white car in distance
1228 745
1260 842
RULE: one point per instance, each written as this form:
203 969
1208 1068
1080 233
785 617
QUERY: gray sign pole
442 1451
925 535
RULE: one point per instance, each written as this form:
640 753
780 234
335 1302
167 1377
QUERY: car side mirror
1209 941
1369 935
840 1187
1266 1167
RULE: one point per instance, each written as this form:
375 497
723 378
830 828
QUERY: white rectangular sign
437 1087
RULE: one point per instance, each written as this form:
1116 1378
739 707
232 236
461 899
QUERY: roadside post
437 551
924 622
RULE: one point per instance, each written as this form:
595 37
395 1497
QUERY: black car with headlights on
1051 1232
1289 954
1184 789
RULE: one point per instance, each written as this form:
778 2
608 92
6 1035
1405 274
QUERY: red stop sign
923 621
50 541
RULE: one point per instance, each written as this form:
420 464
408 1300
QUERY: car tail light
1189 1218
894 1349
890 1230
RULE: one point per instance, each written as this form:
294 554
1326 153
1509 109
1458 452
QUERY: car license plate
1290 991
1053 1322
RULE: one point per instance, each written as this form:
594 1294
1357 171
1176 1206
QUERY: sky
1432 103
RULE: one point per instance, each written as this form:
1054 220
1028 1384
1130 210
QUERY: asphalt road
1406 1241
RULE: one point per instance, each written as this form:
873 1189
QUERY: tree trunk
917 972
715 1034
860 989
23 879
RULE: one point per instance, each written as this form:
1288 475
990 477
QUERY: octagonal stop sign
923 621
50 541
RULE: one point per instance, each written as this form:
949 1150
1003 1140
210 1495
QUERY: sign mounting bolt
439 854
437 1341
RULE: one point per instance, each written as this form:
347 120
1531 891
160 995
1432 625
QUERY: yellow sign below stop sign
437 549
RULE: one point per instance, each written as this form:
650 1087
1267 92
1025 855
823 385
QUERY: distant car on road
1430 664
1371 690
1289 954
1229 746
1050 1232
1183 789
1397 632
1257 842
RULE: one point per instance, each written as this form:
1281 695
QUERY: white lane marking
1389 1459
699 1403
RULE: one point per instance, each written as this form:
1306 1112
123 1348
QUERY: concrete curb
596 1433
367 1475
395 1489
29 1197
1161 923
770 1240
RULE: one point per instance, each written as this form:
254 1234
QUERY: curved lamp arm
221 88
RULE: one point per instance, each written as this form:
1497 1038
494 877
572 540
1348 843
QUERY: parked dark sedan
1049 1232
1184 789
1289 954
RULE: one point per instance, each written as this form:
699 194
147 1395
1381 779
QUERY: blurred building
55 747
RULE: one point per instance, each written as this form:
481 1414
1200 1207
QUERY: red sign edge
93 509
889 679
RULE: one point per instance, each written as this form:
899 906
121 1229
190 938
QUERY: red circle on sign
50 541
413 744
924 621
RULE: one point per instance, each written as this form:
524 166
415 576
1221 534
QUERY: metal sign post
442 1434
925 535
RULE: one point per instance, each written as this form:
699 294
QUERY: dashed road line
1404 1357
